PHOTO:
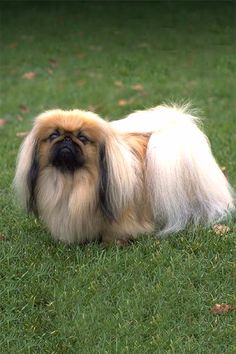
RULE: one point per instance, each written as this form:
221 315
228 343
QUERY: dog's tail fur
185 183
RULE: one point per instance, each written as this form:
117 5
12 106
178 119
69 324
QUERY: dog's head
76 143
68 140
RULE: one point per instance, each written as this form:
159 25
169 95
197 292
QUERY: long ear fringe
185 183
25 160
121 176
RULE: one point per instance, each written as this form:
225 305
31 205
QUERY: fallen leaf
118 83
29 75
92 108
13 45
2 122
49 71
137 87
223 169
22 134
53 62
222 308
221 229
124 102
2 237
81 55
24 108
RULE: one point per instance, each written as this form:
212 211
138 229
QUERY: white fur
184 181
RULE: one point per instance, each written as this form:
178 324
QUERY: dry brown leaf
13 45
22 134
118 83
124 102
81 55
92 108
221 229
2 237
29 75
53 62
137 87
223 169
24 108
2 122
49 71
222 308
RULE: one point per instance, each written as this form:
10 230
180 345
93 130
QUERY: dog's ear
105 203
27 171
119 176
32 178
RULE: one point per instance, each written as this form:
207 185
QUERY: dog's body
152 171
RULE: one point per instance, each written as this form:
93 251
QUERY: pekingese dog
89 179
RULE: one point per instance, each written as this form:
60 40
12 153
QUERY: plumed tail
185 183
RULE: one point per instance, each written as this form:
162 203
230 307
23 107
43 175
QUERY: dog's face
64 143
69 141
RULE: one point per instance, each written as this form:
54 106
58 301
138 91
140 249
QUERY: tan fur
66 204
137 171
137 217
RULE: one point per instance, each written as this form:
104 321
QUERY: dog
89 179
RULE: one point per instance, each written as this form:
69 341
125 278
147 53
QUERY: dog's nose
67 138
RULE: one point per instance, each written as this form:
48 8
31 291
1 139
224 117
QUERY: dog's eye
54 135
83 139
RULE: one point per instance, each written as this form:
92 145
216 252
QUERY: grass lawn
154 296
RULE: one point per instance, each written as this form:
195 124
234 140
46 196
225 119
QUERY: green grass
154 296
